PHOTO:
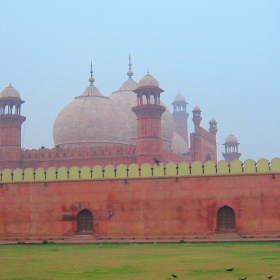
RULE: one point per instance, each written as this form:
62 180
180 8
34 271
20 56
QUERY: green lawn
207 261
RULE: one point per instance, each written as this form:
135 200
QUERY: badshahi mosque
124 166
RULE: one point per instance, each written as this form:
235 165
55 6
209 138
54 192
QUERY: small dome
231 139
148 81
9 92
196 109
179 97
213 121
179 145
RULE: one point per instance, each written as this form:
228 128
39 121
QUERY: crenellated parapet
70 154
79 156
145 170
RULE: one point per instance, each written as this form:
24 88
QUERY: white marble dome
91 119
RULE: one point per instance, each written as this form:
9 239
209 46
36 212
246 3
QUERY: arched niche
85 222
225 219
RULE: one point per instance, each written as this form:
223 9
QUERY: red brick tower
231 148
10 127
149 145
180 117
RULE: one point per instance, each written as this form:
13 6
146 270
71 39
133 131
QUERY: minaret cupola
213 126
231 148
196 116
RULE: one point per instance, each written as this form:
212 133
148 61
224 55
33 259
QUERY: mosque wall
154 206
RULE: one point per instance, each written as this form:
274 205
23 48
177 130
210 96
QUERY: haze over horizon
223 56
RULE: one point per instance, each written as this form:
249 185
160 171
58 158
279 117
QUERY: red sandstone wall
202 142
154 207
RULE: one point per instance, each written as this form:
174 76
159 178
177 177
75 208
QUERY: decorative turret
149 143
213 126
179 103
180 117
10 126
231 148
196 116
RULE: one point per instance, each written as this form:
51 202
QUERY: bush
45 241
20 243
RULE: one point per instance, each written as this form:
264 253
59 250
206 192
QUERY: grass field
207 261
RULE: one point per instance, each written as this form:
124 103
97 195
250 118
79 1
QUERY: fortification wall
146 201
145 170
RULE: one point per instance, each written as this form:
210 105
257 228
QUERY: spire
129 72
91 79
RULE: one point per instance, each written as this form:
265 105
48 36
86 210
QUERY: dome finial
91 79
129 72
148 72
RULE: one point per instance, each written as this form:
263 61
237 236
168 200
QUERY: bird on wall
230 269
157 162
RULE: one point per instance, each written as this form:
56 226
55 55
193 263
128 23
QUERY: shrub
45 241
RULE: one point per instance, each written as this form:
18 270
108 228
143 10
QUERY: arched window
85 221
226 219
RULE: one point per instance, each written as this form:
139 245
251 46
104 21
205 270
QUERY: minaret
231 148
10 127
180 117
149 145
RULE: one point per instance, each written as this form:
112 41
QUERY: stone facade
151 206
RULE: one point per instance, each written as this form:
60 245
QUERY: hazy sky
223 56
